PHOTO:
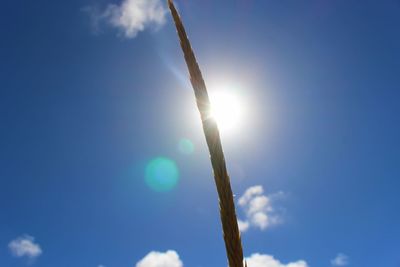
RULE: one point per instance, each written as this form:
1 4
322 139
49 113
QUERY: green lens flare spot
162 174
186 146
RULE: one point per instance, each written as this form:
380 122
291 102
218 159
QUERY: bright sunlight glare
226 109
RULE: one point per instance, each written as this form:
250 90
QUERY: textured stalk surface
230 227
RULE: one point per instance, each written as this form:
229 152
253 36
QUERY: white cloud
258 209
250 192
161 259
264 260
171 258
25 246
131 16
340 260
243 225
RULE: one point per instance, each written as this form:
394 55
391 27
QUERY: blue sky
90 95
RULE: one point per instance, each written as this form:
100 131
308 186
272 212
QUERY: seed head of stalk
233 243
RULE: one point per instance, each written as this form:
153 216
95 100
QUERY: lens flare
162 174
185 146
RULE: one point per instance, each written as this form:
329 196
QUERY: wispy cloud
25 246
340 260
258 209
264 260
169 258
243 225
131 16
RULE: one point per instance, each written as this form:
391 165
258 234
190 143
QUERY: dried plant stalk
230 227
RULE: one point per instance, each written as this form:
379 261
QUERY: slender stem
230 227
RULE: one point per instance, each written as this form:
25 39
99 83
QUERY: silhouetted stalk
230 227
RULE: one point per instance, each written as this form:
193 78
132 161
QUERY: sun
226 109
